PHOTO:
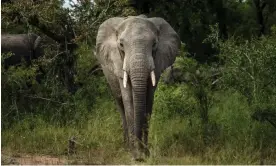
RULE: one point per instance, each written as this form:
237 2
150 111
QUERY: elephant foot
127 147
146 152
138 159
140 156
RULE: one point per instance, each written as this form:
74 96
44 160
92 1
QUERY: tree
55 24
260 6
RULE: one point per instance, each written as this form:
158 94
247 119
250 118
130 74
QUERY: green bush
249 67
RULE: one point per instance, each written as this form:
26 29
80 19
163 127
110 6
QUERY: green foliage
91 14
24 95
231 129
250 67
15 83
172 105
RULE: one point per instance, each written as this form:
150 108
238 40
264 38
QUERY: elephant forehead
138 34
137 23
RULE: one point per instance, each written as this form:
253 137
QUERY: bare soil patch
33 160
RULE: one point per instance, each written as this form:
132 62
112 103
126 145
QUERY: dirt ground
32 160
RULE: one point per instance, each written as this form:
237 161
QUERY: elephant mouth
125 75
152 75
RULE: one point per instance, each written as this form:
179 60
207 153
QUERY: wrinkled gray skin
135 46
26 46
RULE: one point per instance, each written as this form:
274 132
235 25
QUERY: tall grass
174 139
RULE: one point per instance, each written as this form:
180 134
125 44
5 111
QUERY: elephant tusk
125 79
153 80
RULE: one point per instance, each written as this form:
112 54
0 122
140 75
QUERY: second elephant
22 46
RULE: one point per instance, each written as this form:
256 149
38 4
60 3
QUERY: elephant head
137 49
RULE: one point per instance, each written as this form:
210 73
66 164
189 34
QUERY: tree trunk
260 18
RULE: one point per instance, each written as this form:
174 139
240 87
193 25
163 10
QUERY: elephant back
19 44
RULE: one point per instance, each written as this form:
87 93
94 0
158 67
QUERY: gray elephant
133 52
22 46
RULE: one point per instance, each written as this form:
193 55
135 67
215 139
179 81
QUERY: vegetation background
217 105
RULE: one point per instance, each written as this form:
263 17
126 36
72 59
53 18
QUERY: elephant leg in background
116 92
150 99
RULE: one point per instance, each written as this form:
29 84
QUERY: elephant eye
154 46
121 45
121 48
120 42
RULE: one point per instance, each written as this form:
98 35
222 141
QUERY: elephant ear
37 41
37 46
168 45
107 51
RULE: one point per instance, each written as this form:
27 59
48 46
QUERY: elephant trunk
139 75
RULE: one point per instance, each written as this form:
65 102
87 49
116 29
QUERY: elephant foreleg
116 92
128 110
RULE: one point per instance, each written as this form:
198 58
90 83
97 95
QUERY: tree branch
42 98
35 22
271 122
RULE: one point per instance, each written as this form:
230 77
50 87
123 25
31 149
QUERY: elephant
133 52
26 46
